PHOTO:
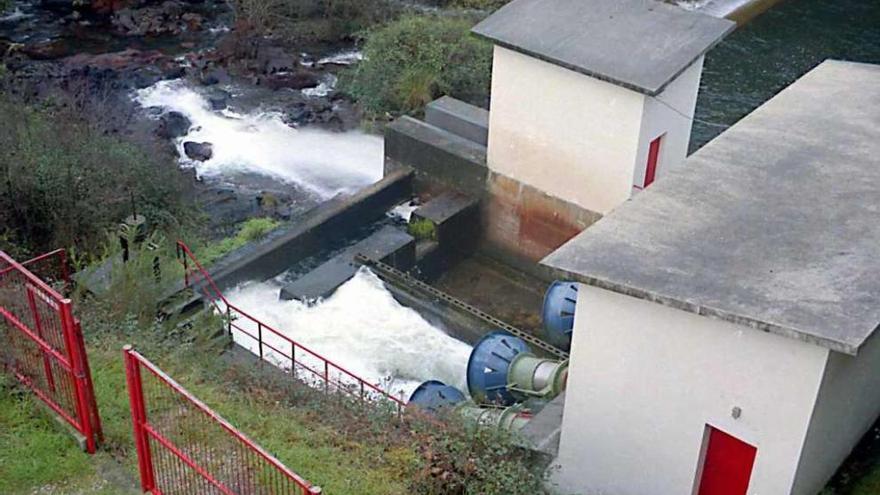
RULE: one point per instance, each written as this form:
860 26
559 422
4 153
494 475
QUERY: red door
653 155
727 466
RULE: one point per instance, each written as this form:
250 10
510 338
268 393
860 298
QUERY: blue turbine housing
558 313
488 365
434 395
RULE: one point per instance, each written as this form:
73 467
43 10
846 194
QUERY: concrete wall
848 404
528 223
669 114
521 224
566 134
644 381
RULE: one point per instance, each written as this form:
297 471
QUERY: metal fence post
260 340
93 401
74 349
138 419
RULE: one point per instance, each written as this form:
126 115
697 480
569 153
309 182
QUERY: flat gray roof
638 44
775 224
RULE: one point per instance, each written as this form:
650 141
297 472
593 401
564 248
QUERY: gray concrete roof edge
851 349
602 77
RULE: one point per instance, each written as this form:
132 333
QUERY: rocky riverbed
100 56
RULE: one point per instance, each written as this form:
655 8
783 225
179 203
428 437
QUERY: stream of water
363 328
321 162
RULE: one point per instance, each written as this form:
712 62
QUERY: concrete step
389 245
456 220
460 118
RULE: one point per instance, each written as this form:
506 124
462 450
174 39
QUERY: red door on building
727 465
653 156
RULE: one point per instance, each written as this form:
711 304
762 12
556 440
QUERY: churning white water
321 162
362 328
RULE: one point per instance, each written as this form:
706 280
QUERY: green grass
34 450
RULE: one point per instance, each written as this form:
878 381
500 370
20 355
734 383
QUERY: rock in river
173 125
198 151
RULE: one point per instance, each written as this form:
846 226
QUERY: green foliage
413 60
311 20
64 183
422 229
134 288
250 230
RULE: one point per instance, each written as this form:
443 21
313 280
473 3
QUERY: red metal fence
42 343
273 346
186 448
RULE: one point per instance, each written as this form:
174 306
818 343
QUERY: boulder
218 75
218 99
198 151
173 125
290 80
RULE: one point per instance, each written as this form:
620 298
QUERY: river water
773 50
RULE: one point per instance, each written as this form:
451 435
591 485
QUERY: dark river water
760 59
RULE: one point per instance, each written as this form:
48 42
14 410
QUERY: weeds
422 229
250 230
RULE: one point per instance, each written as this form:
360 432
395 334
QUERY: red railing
273 346
184 447
42 341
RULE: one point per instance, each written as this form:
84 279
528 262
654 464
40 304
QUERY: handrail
184 253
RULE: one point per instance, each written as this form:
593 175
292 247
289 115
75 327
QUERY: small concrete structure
730 312
459 118
389 245
593 99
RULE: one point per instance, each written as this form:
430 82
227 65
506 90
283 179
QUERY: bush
416 59
65 183
250 230
311 20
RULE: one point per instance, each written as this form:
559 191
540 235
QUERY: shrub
423 229
250 230
311 20
65 183
412 61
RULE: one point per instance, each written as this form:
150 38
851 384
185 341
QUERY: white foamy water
343 58
320 162
362 328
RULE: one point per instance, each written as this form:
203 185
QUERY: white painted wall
644 381
570 135
669 114
848 404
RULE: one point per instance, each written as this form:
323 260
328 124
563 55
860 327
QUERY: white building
592 100
723 339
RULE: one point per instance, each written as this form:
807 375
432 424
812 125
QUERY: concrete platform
460 118
436 155
456 220
389 245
